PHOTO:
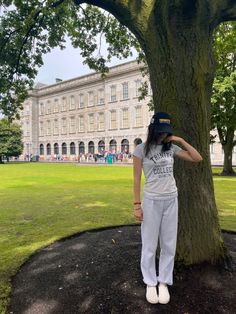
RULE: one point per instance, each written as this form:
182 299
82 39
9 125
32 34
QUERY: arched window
137 141
91 147
125 146
64 149
72 148
113 146
41 149
48 149
101 146
56 149
81 148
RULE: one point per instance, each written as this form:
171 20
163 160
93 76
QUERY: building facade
89 115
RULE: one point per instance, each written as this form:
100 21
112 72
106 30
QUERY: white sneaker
164 296
151 295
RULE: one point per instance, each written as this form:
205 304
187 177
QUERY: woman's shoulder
139 147
139 150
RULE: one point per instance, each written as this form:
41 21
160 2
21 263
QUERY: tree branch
223 10
131 13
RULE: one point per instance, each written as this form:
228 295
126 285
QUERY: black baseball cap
162 122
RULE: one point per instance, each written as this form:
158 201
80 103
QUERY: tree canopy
10 139
223 116
30 29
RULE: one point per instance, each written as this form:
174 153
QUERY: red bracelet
137 203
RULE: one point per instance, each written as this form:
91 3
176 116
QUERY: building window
64 104
56 149
63 126
149 89
125 146
48 127
101 121
113 146
64 149
48 149
113 120
27 111
137 141
48 107
138 84
41 110
125 90
27 128
55 127
72 148
101 97
90 99
91 147
81 148
56 106
212 148
113 93
91 122
138 116
149 117
41 128
72 124
72 103
125 118
101 146
81 101
81 123
41 149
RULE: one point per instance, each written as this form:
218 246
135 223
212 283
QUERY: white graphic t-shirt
158 171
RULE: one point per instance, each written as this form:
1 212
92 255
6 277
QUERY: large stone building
88 115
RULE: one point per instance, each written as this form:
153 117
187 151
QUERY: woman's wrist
137 205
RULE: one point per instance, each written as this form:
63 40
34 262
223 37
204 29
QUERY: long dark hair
152 138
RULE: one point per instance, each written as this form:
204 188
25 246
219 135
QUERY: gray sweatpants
160 220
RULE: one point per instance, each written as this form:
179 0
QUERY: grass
218 170
41 203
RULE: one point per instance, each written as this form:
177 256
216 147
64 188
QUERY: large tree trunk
176 38
228 151
179 57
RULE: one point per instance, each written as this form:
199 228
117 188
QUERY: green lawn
40 203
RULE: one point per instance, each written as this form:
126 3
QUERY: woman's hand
188 152
173 138
138 213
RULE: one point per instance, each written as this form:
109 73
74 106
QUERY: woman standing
159 208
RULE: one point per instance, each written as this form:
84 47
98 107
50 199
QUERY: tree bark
228 152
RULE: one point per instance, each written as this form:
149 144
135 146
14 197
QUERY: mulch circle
98 272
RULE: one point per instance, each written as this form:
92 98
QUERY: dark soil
98 272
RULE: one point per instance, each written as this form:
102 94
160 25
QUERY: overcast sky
66 64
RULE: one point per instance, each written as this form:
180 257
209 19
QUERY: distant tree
10 139
223 115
